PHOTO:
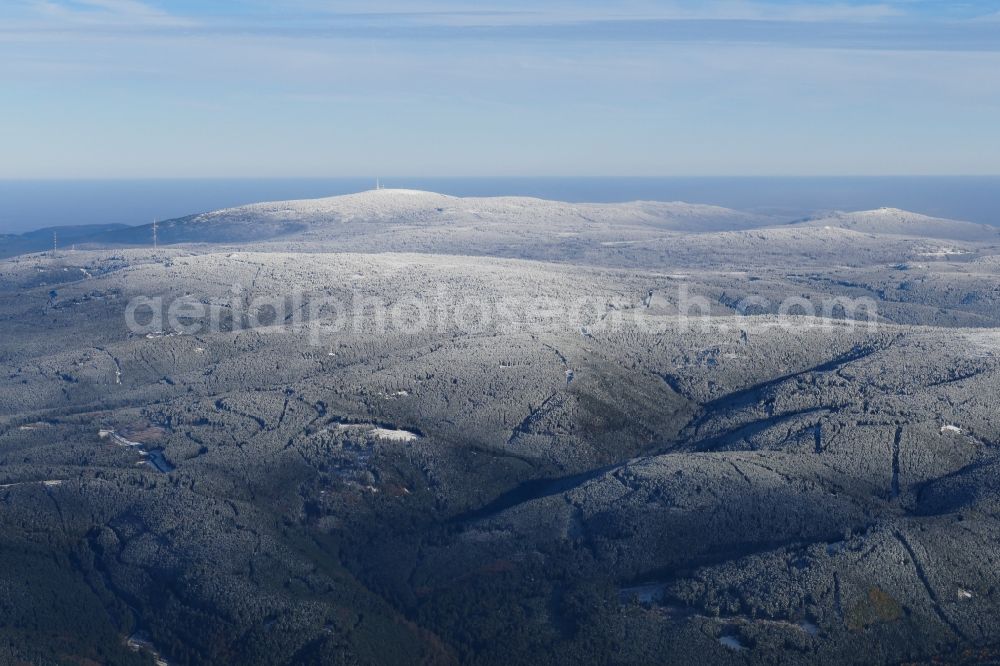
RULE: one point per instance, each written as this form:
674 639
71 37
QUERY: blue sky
160 88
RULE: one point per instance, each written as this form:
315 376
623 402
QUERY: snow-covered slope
336 217
896 222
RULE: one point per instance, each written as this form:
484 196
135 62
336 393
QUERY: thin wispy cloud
450 13
842 26
521 11
90 13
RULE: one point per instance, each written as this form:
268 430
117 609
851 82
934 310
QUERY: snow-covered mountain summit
373 212
422 208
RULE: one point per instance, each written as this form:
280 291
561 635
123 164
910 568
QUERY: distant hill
41 239
520 227
896 222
